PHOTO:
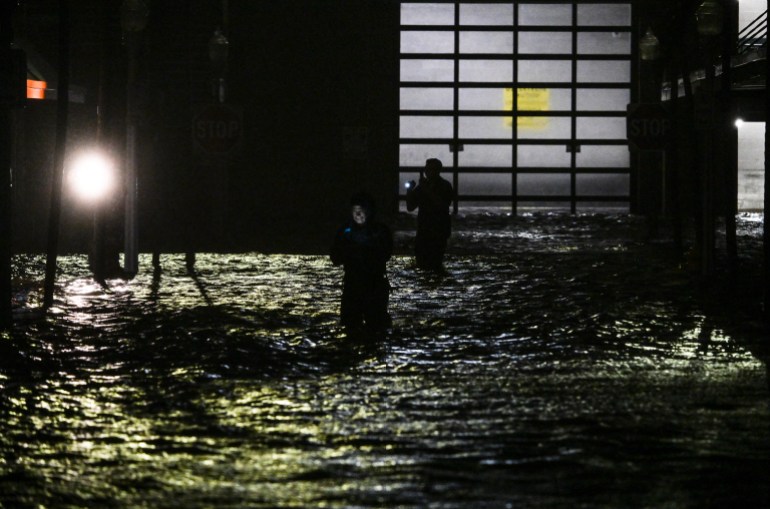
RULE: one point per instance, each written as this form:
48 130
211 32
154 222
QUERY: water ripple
556 367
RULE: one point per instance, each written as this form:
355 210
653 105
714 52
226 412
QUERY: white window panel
604 43
493 99
493 156
560 99
545 14
544 128
543 156
486 70
602 184
481 99
427 14
413 154
602 128
557 71
603 71
485 184
603 99
484 127
486 14
548 184
603 156
604 14
425 127
486 42
427 70
545 42
427 42
427 98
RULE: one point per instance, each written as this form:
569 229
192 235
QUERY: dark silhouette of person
363 246
432 196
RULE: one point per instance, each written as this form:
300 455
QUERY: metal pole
131 252
62 114
765 228
731 135
6 154
707 249
6 320
98 248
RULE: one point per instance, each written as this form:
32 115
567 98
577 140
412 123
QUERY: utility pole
13 74
765 228
62 116
133 18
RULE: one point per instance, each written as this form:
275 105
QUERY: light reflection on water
518 379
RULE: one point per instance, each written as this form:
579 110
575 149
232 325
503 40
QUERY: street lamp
709 18
92 176
133 19
649 46
219 48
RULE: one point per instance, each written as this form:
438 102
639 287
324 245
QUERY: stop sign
648 126
217 128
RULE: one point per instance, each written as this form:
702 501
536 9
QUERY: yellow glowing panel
528 99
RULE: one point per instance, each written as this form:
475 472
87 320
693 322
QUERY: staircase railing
753 36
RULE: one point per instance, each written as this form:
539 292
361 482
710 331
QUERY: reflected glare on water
521 378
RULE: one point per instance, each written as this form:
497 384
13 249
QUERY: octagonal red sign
217 128
648 126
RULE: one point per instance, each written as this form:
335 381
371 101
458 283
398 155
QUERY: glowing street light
649 46
709 18
92 176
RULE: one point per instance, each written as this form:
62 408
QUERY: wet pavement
561 361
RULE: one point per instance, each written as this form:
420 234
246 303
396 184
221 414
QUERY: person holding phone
362 246
432 196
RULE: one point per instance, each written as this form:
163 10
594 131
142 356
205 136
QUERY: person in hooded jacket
362 246
433 196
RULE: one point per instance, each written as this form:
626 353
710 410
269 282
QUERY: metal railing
753 36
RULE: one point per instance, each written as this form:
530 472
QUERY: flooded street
561 361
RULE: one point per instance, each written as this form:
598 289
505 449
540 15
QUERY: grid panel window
427 98
486 14
486 42
427 42
427 14
427 70
486 70
604 43
489 156
544 185
518 99
558 71
604 14
545 14
545 42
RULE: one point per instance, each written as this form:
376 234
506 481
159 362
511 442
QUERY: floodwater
561 361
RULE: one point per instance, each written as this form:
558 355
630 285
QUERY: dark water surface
560 362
